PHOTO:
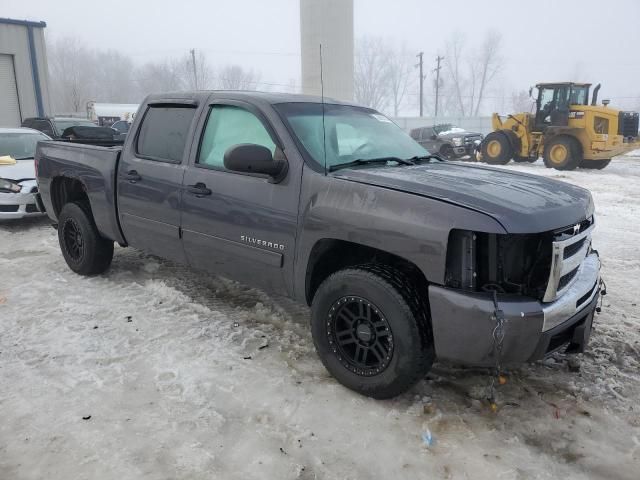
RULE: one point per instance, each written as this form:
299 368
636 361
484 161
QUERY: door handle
132 176
199 189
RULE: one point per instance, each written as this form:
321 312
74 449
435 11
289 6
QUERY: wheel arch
67 189
329 255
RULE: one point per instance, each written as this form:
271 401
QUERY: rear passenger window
163 133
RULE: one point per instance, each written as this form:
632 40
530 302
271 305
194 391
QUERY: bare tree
113 75
371 79
488 64
400 74
160 77
470 73
454 67
204 78
234 77
71 71
520 101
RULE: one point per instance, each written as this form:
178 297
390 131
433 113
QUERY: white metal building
24 88
330 23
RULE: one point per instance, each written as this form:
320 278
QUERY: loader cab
554 101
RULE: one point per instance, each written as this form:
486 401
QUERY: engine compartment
516 264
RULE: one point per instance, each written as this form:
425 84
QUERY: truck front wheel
371 332
84 250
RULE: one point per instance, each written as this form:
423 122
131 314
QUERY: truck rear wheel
595 164
496 149
562 153
371 332
84 250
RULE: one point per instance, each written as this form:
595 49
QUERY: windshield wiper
25 158
370 161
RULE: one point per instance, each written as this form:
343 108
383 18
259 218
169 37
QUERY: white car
18 185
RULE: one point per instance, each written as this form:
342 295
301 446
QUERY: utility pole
437 70
420 66
193 62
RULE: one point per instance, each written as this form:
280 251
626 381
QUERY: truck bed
95 167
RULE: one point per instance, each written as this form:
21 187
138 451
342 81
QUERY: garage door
10 110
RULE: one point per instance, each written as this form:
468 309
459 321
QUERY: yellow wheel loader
565 130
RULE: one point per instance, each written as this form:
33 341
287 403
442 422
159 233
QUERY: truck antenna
324 131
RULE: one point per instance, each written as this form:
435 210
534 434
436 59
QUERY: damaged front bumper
22 204
463 322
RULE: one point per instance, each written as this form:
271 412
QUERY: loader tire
594 164
519 159
496 149
562 153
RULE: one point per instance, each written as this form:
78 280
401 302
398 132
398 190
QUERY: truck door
150 179
241 226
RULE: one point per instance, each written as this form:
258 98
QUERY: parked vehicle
449 141
55 127
18 176
403 258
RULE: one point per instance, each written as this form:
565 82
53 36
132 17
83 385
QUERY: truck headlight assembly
457 141
508 263
7 186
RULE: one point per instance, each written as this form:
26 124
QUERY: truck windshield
350 133
20 145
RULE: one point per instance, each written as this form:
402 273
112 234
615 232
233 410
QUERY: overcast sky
545 40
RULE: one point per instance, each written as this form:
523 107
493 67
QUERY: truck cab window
163 133
227 126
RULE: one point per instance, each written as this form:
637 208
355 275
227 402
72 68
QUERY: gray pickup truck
403 258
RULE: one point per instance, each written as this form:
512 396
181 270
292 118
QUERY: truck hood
21 170
463 134
520 202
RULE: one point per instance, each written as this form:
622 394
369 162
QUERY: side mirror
252 158
434 137
530 92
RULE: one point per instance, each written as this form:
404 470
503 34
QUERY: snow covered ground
187 376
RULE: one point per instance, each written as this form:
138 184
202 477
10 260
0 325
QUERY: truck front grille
569 248
566 278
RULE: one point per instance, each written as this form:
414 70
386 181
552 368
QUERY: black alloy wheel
360 335
73 242
83 248
371 329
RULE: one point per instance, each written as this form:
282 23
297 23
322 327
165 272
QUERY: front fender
406 225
